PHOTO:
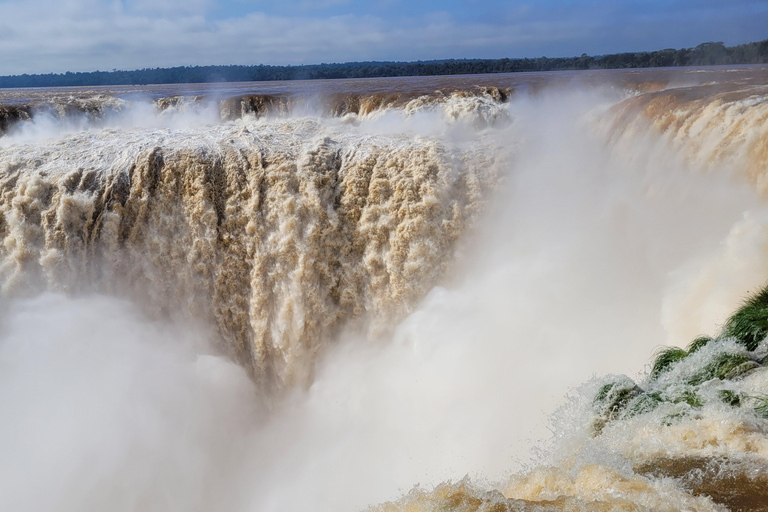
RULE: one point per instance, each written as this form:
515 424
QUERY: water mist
541 250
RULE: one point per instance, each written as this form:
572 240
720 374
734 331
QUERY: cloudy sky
40 36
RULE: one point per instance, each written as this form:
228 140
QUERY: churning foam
279 232
308 249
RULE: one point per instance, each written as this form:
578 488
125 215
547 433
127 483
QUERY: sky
42 36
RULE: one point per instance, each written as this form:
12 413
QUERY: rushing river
406 294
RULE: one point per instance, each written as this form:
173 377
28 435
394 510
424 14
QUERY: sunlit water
319 304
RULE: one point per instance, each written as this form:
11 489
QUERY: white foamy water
413 294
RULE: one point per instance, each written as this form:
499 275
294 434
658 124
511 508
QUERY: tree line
705 54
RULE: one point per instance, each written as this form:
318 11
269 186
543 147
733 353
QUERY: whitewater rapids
281 302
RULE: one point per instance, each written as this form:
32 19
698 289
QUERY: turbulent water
384 294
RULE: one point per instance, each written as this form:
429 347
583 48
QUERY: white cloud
169 7
39 36
90 35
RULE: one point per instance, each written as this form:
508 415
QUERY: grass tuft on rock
623 399
724 367
698 343
613 397
729 397
642 404
749 325
689 397
761 407
611 400
665 360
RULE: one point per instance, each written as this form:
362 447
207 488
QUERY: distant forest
706 54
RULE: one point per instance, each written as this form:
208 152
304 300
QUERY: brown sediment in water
254 104
596 489
10 115
462 497
89 108
717 125
283 233
258 105
280 238
168 102
93 108
740 486
338 105
342 104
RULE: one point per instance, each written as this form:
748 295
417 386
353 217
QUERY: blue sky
83 35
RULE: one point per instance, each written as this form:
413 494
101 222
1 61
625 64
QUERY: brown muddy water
384 294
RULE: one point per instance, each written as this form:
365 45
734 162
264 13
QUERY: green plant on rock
642 404
698 343
724 367
649 401
761 407
611 400
749 325
729 397
623 399
665 360
613 397
688 397
671 419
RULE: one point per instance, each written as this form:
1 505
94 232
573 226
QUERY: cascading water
409 283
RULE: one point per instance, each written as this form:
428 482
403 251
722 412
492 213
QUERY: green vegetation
761 408
645 402
612 399
748 327
688 397
749 324
724 367
666 359
698 343
615 396
706 54
729 397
